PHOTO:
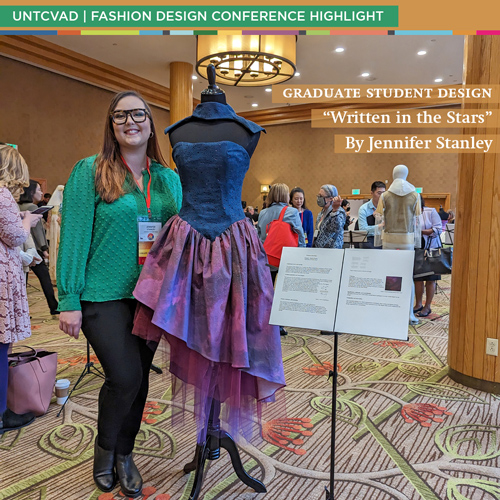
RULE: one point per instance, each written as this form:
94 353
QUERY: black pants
126 361
42 273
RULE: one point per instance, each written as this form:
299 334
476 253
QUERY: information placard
358 291
375 293
307 288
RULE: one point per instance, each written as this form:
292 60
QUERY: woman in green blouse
111 199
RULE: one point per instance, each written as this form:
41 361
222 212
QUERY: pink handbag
32 376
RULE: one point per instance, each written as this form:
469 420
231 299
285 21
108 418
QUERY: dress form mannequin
205 286
400 207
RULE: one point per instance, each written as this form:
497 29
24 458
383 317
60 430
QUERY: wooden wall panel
50 56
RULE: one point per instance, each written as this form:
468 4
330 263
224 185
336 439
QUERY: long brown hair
111 174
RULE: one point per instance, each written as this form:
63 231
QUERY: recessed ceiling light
438 80
297 74
194 77
422 52
339 49
254 105
365 74
269 89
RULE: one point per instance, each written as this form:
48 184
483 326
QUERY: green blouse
98 252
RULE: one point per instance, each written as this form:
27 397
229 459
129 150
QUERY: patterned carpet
404 429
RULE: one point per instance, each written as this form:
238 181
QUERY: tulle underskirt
211 301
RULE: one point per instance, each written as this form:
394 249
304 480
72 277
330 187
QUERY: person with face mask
329 231
348 219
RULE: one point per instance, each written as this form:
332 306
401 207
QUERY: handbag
429 261
279 234
32 376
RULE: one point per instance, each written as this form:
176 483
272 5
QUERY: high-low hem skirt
211 301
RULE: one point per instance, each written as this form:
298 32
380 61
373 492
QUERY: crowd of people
106 199
334 218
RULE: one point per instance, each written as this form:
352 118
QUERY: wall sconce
264 189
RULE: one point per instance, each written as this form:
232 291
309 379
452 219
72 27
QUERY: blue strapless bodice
212 173
212 176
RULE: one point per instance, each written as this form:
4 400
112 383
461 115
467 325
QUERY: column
181 93
475 305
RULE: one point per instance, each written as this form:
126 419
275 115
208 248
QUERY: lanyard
148 196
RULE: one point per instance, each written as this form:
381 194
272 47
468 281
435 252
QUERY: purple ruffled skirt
211 300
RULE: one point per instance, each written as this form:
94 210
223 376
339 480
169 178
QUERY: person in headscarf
329 230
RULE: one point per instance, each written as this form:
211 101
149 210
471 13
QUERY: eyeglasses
120 116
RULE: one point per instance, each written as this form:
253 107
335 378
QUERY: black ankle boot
10 421
104 468
128 475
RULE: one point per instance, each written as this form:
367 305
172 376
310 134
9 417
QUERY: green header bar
194 16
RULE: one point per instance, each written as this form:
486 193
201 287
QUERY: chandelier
247 60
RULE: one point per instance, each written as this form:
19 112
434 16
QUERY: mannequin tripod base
210 450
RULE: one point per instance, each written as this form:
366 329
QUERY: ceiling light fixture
269 89
254 105
339 49
365 74
438 80
247 60
421 52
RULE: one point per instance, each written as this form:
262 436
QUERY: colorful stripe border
312 32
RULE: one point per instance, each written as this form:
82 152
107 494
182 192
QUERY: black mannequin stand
210 450
333 374
198 130
87 370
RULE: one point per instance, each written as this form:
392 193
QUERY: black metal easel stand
87 370
334 374
210 450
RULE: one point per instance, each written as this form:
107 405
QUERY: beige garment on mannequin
399 214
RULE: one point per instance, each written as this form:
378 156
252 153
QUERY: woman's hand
29 219
70 322
336 202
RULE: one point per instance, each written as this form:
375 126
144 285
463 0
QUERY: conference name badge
148 230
